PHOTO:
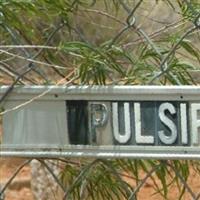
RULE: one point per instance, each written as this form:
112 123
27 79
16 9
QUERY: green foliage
190 9
113 179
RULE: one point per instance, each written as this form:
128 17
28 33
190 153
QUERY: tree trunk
43 184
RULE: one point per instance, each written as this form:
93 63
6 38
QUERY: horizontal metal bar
154 89
93 154
180 93
140 152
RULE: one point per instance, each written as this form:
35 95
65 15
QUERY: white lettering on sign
174 118
140 139
184 128
168 122
121 138
195 122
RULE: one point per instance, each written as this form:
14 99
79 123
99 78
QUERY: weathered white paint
195 123
184 126
103 126
168 122
41 123
121 137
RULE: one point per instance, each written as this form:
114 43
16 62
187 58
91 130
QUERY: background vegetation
104 42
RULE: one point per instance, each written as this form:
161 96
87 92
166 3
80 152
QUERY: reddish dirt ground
20 188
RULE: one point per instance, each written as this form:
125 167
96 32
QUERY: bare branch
31 60
130 21
7 69
143 181
16 40
165 59
52 173
79 177
28 47
104 14
156 33
181 179
38 96
30 65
